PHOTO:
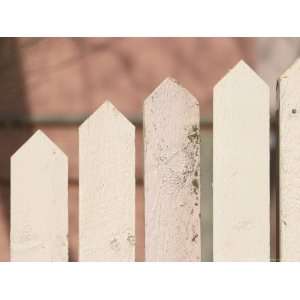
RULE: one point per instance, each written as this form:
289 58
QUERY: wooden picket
107 187
39 201
289 137
172 174
241 179
241 193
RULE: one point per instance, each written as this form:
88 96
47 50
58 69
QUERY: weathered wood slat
289 166
172 174
241 193
107 187
39 201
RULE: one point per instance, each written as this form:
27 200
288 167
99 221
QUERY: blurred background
53 84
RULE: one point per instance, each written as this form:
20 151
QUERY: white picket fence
241 179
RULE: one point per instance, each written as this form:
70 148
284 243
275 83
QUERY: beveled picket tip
107 186
173 91
289 80
241 196
39 201
242 73
172 174
288 95
40 142
292 70
106 112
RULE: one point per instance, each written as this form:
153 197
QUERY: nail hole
294 111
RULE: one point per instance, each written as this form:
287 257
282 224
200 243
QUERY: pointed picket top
39 201
241 199
172 174
242 76
288 86
105 114
107 187
40 143
292 71
288 93
169 92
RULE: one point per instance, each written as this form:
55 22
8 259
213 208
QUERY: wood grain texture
241 196
289 163
172 174
39 201
107 187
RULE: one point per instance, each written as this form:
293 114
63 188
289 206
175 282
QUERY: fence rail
241 179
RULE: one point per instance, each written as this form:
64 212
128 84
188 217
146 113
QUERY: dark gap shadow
276 182
13 104
274 239
206 192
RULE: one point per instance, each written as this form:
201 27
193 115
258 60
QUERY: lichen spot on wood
193 134
195 184
114 244
131 239
195 237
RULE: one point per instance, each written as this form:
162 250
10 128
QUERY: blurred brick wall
71 77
